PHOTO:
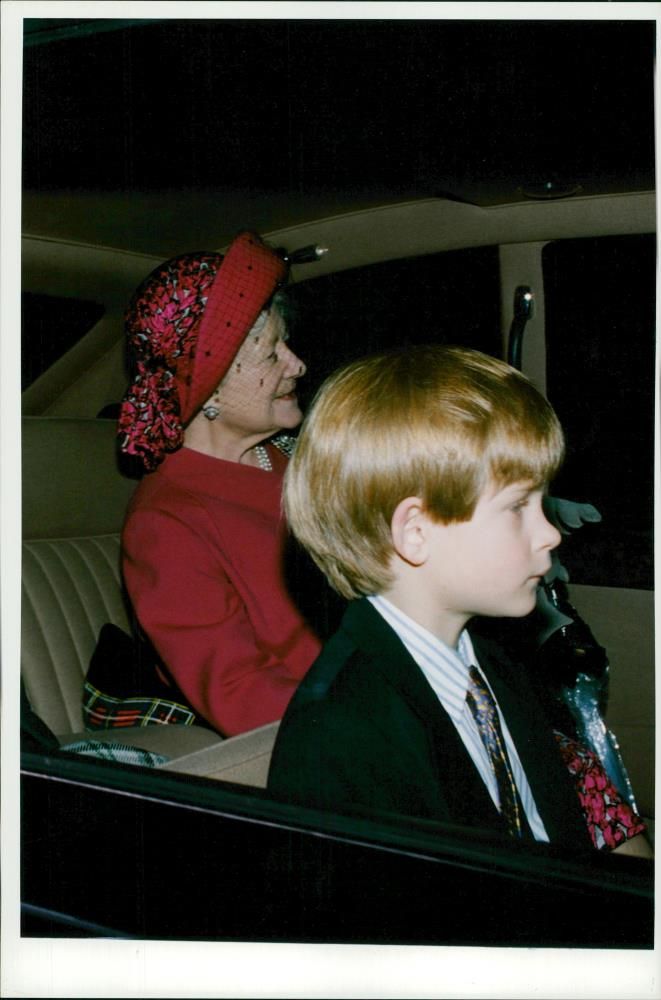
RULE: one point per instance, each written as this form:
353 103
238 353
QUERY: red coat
202 562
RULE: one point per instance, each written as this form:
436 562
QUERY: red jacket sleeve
237 666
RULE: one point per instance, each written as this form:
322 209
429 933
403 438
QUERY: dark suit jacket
365 732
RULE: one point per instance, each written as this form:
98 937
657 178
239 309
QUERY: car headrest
72 484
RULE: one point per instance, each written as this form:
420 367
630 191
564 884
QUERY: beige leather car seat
73 503
74 498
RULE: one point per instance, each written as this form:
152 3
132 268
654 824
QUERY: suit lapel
462 787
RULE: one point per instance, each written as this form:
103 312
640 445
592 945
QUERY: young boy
417 487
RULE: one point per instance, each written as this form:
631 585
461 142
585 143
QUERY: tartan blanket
103 711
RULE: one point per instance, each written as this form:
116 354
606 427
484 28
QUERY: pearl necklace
263 460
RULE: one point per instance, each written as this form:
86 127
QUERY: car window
450 297
50 325
600 328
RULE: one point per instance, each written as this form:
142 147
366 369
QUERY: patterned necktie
481 703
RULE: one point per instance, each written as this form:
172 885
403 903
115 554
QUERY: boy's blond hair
439 423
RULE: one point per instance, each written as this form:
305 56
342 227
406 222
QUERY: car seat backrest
74 499
72 485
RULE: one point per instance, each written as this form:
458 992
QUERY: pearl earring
210 411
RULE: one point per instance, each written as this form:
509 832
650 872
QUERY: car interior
75 494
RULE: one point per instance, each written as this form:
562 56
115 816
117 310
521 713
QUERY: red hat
185 325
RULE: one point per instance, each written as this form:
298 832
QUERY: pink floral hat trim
185 325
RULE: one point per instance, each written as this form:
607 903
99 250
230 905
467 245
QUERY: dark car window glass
50 325
450 297
600 327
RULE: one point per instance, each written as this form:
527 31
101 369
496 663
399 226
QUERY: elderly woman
203 538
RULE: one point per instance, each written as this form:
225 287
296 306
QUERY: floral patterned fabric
162 329
611 821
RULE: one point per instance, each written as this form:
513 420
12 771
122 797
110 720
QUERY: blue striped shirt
446 670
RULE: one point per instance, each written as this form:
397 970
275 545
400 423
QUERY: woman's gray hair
282 305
